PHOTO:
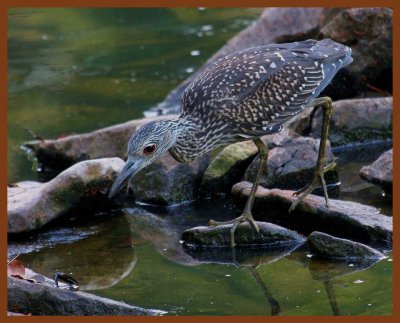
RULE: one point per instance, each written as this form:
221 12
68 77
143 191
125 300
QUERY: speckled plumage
253 92
241 96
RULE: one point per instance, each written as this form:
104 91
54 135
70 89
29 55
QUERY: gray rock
167 182
343 219
328 246
357 121
219 236
112 141
380 172
368 31
291 165
41 299
32 206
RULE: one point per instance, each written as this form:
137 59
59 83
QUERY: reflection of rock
356 121
167 182
328 246
32 206
324 269
343 218
161 232
380 172
42 299
245 235
97 262
242 257
292 165
61 153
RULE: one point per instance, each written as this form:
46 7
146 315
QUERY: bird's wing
260 88
275 100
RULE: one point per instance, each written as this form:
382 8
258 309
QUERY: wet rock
357 121
227 167
380 172
112 141
42 299
219 236
329 246
167 182
32 206
368 31
292 165
343 219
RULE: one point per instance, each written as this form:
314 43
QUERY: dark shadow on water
327 270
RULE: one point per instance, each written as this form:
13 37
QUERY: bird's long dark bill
130 169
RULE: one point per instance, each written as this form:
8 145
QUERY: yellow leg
326 104
246 214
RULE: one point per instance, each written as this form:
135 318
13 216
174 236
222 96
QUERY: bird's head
149 142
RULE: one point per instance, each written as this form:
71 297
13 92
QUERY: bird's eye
149 149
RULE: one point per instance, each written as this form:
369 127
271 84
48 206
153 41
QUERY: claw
246 216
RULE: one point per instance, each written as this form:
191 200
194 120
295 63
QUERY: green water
75 70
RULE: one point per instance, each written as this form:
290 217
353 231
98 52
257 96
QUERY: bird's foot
245 216
316 182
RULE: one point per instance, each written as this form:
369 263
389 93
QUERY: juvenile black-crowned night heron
243 96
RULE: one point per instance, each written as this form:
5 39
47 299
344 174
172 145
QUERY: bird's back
253 92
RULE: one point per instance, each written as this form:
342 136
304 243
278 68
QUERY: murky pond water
77 70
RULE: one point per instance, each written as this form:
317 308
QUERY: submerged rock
332 247
357 121
292 165
166 182
245 235
31 206
380 172
43 299
343 219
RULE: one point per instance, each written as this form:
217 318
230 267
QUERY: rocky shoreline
86 165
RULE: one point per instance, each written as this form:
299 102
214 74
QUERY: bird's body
242 96
253 92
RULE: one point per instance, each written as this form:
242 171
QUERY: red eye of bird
149 149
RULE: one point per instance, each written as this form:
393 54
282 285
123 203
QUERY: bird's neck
192 141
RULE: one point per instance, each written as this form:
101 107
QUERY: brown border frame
5 4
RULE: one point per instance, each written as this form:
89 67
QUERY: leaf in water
16 268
